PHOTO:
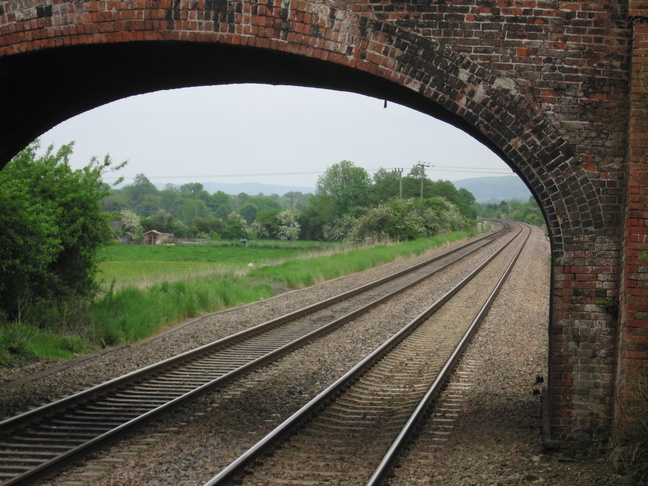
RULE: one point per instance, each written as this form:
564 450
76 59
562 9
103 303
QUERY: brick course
555 88
633 323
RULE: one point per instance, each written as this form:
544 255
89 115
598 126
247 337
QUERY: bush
15 346
406 219
52 228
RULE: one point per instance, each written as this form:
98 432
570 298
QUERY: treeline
189 211
526 212
348 204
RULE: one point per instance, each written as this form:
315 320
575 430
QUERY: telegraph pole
400 182
423 166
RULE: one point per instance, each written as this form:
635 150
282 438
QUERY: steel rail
64 405
89 393
386 465
263 447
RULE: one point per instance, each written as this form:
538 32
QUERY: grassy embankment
147 289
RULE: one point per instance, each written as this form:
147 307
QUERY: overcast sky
269 134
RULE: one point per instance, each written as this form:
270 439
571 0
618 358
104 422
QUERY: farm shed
156 238
152 238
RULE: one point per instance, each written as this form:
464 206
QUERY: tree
235 227
412 183
386 185
342 189
466 196
460 198
164 223
213 227
249 211
295 200
315 217
345 186
114 202
140 187
528 212
131 222
192 188
288 228
148 205
52 227
407 219
468 199
170 199
265 225
191 209
220 204
252 206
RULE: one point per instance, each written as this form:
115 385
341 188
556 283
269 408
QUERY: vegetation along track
40 440
352 432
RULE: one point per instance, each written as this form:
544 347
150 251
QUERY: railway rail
41 440
353 431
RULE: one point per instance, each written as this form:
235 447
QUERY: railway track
37 442
353 431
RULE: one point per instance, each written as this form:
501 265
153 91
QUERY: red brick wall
545 84
633 329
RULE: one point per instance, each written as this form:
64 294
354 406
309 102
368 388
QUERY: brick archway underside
60 58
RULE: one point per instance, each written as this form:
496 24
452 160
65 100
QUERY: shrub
15 346
52 228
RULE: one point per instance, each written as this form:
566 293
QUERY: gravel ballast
495 440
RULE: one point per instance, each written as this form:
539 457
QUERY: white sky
269 134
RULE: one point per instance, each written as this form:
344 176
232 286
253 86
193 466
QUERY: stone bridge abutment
557 89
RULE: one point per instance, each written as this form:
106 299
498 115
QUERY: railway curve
97 422
353 431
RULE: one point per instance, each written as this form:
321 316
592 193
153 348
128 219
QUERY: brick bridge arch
555 88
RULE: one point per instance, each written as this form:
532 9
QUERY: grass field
142 266
149 288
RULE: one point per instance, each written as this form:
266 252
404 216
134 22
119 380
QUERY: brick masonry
633 322
556 88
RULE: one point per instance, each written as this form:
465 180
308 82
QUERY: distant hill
495 189
249 188
485 189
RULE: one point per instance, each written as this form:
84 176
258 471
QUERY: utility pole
423 166
400 182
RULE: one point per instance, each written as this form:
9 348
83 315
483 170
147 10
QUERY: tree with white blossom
289 227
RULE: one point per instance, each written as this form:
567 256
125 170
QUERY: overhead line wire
270 174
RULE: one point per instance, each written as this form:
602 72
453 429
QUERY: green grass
299 273
153 288
20 343
131 314
142 266
205 254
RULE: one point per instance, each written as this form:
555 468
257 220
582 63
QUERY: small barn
156 238
152 238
